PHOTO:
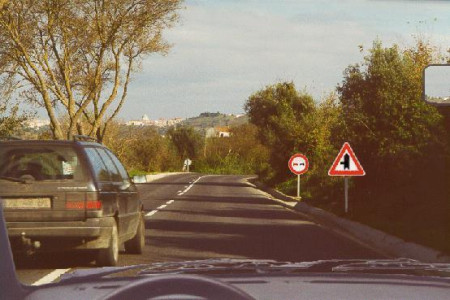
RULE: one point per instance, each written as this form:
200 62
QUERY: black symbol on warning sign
346 162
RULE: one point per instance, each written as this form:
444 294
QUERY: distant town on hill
202 122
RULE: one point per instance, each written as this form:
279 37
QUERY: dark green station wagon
61 195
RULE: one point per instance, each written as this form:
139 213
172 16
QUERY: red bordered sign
298 164
346 163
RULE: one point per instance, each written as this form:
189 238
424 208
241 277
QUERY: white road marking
189 187
50 277
149 214
179 193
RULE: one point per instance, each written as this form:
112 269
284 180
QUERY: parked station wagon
60 195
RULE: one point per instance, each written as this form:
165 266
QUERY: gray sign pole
298 186
346 194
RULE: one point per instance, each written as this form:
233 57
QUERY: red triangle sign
346 163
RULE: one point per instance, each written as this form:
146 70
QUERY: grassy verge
412 220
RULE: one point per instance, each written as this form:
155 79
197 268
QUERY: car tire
109 257
137 243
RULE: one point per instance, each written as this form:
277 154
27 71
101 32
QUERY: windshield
288 131
37 163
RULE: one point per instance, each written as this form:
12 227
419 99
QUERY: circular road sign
298 164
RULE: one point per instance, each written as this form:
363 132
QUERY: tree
240 153
10 120
141 148
285 121
186 140
397 136
77 56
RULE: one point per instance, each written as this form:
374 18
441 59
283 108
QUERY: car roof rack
84 138
10 138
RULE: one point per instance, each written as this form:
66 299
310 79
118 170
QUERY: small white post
346 194
298 186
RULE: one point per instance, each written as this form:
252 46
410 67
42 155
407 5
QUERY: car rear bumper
94 233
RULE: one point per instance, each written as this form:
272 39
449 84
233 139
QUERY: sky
223 51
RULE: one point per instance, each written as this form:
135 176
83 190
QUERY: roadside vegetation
76 58
402 142
143 150
12 122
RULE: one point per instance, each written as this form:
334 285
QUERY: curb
377 239
153 177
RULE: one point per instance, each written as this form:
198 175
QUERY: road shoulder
385 243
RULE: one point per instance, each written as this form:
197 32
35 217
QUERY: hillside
207 120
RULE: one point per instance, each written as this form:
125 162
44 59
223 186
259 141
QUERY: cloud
226 50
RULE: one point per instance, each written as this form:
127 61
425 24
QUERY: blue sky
223 51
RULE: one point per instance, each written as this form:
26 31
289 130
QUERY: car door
128 187
106 189
128 210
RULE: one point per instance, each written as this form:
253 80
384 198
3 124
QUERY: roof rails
10 138
84 138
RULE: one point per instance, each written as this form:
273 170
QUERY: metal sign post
298 164
346 194
346 164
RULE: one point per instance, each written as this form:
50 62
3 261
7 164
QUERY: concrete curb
383 242
153 177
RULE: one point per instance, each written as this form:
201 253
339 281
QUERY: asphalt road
193 216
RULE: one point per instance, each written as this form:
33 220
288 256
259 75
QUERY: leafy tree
186 141
141 148
284 118
241 153
10 120
77 56
397 136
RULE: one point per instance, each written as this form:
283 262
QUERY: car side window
123 172
100 169
115 176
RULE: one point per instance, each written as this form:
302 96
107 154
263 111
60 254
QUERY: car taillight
75 204
82 205
93 205
81 201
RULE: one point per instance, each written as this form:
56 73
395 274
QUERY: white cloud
224 52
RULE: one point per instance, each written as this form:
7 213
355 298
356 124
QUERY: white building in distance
145 121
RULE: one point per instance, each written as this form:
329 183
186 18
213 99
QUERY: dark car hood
226 266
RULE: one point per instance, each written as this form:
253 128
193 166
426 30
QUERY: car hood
225 266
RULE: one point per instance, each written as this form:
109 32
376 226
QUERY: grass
412 218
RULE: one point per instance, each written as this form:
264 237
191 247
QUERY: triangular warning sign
346 163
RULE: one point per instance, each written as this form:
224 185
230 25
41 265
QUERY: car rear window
115 176
100 169
40 163
123 172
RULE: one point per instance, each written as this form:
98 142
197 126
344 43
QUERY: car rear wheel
110 256
137 243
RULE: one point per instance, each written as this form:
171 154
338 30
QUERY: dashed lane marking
151 213
50 277
190 186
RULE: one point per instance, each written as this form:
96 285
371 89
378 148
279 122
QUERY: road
193 216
